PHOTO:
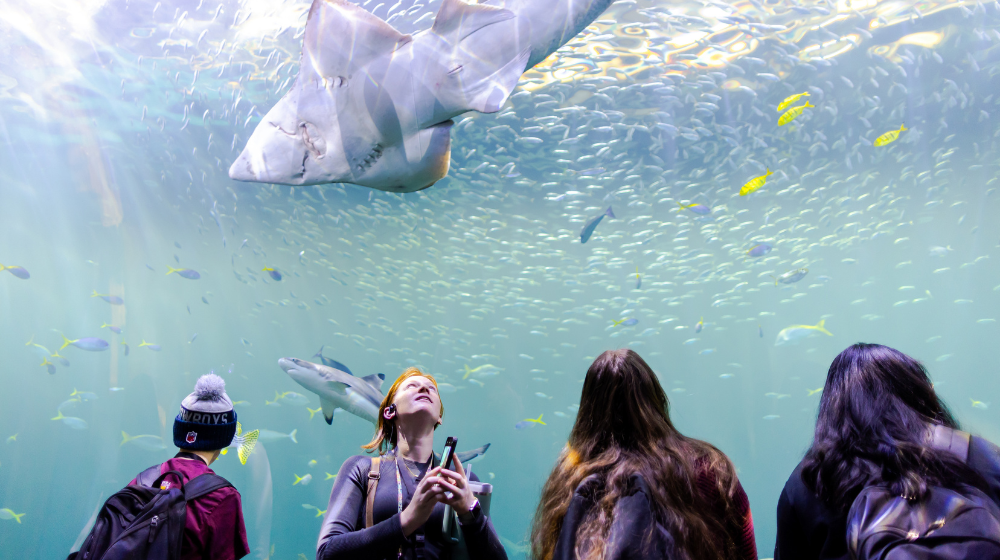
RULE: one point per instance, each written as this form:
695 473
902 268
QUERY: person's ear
390 412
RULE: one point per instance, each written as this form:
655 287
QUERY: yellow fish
791 99
329 476
244 443
313 412
791 114
8 514
755 183
470 371
890 137
814 391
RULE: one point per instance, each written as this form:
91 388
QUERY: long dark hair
623 428
874 416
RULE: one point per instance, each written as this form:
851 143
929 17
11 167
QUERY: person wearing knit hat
206 421
205 425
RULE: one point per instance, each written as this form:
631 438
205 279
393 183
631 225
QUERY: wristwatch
468 516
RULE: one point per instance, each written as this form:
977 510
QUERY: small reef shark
361 396
373 107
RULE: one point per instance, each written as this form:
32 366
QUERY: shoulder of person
984 455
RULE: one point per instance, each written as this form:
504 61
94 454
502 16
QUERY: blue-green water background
111 170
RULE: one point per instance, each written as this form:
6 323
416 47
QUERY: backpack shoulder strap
202 484
148 477
955 442
373 476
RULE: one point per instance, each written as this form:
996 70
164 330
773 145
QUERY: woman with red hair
402 518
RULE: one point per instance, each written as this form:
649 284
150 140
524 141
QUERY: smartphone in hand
448 455
448 458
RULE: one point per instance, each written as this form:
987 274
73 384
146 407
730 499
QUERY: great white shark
373 106
361 396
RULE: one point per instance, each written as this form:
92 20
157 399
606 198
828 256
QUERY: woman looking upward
408 504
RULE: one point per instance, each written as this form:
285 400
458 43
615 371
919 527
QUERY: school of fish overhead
736 190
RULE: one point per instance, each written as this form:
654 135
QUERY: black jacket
344 535
808 530
629 537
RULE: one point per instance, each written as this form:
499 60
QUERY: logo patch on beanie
191 437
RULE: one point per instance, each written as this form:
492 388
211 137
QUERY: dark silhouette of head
877 407
623 429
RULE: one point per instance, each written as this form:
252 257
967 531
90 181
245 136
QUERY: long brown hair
623 428
385 430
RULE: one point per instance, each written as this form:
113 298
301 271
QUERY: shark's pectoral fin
337 387
328 409
457 19
489 94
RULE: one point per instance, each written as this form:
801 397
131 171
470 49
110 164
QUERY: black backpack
945 525
143 522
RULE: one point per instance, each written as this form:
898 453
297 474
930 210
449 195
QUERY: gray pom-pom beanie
206 421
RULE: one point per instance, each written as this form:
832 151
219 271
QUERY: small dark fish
185 273
760 330
273 274
92 344
244 243
62 361
114 329
193 338
150 268
189 309
126 347
49 367
699 209
153 347
591 172
18 271
205 301
760 250
113 300
178 245
638 279
331 363
588 229
177 259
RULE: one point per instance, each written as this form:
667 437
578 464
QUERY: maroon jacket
214 525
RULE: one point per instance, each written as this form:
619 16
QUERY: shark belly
360 406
